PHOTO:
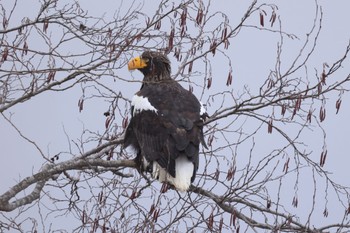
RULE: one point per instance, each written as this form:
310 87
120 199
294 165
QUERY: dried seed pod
190 88
177 53
53 74
199 18
323 158
112 48
224 33
156 215
233 220
104 228
139 37
107 122
283 109
322 113
268 203
307 90
209 82
99 197
270 84
171 39
293 114
337 105
273 18
210 140
133 194
183 17
319 88
226 44
212 47
309 116
151 209
230 173
200 44
83 217
221 223
50 76
148 20
109 33
190 65
81 104
45 25
298 103
217 174
158 24
210 222
125 122
323 77
270 126
5 54
193 51
229 79
261 19
183 31
95 225
110 155
286 166
25 48
295 201
325 213
5 22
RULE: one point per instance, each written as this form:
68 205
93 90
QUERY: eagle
166 127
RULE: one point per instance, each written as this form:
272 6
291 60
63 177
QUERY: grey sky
46 119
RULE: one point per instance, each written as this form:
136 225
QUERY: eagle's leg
138 162
142 165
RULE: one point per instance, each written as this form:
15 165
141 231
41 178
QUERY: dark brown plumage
166 127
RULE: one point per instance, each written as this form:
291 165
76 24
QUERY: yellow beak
136 63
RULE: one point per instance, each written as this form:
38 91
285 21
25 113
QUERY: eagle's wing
165 125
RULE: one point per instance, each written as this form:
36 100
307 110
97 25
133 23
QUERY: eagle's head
155 66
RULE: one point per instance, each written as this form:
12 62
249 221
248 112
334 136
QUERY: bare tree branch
261 172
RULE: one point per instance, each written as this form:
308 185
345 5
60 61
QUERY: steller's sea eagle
166 127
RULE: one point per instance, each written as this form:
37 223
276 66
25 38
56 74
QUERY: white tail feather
184 171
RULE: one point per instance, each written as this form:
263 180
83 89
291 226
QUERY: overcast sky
47 118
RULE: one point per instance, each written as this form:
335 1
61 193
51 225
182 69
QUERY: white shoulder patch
203 110
141 103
